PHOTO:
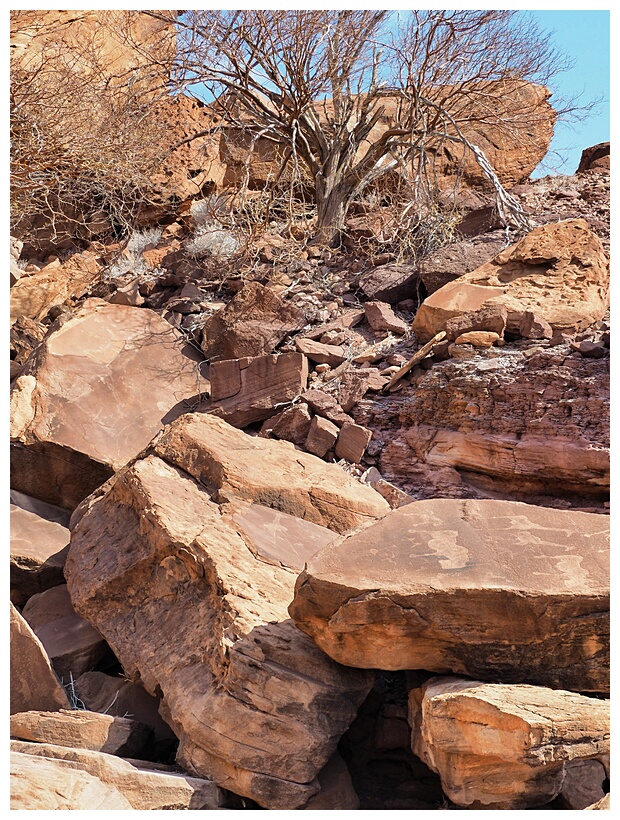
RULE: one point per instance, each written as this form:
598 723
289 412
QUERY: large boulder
256 706
505 746
493 589
47 776
34 684
93 395
559 271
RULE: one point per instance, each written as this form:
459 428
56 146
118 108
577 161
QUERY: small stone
293 424
352 442
477 338
332 355
321 437
380 316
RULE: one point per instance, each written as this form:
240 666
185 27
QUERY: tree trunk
333 198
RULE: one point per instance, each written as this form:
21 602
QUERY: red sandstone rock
484 588
322 436
352 442
380 316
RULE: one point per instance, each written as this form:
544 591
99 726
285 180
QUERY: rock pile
269 543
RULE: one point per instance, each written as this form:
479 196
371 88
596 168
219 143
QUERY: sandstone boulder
78 729
256 706
380 316
65 776
34 684
322 436
38 551
246 390
596 158
266 472
390 283
353 440
452 261
559 271
333 355
325 405
491 319
504 746
94 394
492 589
293 424
583 784
253 323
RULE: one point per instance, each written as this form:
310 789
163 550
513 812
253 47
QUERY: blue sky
583 36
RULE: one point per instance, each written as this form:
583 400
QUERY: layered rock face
171 567
560 272
78 408
505 746
528 425
492 589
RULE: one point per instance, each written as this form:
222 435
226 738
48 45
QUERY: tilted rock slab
504 746
179 587
492 589
559 271
43 774
34 684
92 396
38 549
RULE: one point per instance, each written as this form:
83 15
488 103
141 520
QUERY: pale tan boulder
34 684
253 323
559 271
256 706
266 472
38 551
130 784
247 390
32 296
600 805
477 338
39 784
504 746
494 589
93 395
79 729
71 643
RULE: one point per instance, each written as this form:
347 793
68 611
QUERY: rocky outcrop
501 746
94 394
256 706
46 776
492 589
596 158
560 272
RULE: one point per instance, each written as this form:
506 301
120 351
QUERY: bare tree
353 96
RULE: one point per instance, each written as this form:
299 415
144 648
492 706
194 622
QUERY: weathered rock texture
34 685
504 746
268 473
92 396
559 271
493 589
38 551
55 777
79 729
247 390
256 706
526 425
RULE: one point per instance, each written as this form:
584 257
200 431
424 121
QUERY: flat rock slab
93 395
38 552
492 589
80 729
504 746
82 779
176 582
